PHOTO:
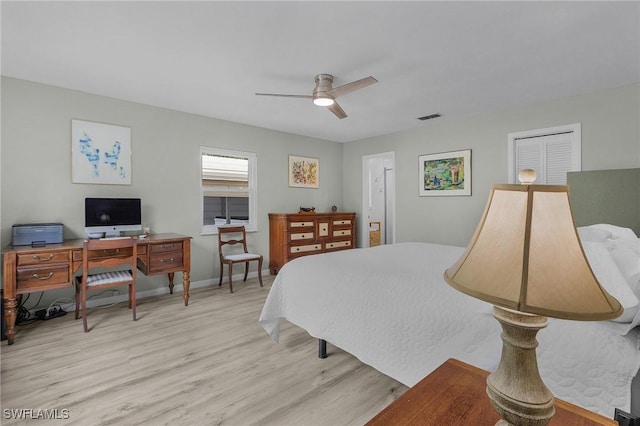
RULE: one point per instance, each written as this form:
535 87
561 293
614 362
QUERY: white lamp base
516 389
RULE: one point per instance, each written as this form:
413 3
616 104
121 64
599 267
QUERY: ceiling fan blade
337 110
285 96
350 87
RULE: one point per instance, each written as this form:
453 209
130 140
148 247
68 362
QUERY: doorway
378 199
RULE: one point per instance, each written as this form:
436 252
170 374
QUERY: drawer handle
38 277
111 252
39 259
165 260
167 245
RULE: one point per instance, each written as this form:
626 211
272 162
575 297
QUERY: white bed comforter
390 307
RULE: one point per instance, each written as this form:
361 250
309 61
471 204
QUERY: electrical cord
24 313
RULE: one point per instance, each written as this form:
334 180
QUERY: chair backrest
108 253
231 235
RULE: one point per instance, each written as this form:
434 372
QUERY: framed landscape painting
100 153
445 173
304 172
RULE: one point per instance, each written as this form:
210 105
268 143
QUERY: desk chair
111 254
230 236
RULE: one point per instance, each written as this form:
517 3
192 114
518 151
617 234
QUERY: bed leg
322 348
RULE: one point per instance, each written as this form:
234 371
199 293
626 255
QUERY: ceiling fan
325 95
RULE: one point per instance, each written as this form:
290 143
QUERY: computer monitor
109 217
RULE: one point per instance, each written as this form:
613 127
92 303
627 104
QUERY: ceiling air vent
429 117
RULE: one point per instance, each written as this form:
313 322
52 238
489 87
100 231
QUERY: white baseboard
177 288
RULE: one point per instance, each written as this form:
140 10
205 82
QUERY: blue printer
35 234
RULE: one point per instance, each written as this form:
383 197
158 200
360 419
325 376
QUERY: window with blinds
550 152
228 184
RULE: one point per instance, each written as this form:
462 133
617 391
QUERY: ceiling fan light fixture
323 100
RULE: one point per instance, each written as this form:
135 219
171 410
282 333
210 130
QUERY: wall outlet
626 419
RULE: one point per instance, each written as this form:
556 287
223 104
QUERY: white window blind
225 176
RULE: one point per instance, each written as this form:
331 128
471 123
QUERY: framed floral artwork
304 172
445 173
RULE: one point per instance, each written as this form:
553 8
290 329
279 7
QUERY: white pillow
626 254
617 232
611 279
593 233
634 323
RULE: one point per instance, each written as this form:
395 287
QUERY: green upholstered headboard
606 196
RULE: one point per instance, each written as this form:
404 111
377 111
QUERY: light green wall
36 163
610 140
36 167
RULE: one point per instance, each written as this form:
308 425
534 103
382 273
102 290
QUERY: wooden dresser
293 235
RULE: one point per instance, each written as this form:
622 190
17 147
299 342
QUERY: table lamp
526 259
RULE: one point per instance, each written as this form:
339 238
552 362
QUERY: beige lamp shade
526 255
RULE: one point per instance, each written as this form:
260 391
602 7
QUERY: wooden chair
230 236
111 254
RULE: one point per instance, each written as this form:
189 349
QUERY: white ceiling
454 58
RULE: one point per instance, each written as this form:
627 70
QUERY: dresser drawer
338 245
297 225
165 247
42 258
342 222
43 277
305 249
342 232
302 236
165 260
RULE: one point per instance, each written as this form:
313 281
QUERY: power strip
54 312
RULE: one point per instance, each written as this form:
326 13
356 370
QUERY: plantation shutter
550 155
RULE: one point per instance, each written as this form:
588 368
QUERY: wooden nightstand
454 394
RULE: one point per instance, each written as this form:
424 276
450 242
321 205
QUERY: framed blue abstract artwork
100 153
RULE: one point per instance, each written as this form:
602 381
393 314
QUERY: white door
378 199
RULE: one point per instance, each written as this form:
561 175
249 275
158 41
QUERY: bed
390 307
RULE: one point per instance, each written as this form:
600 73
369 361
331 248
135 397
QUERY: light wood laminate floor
210 363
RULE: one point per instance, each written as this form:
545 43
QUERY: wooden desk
28 269
454 394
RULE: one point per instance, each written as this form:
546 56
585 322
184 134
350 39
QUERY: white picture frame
445 174
100 153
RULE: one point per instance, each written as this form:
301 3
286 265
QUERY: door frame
390 221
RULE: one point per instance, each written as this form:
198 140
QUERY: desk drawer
110 253
33 277
141 249
163 261
165 247
43 258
